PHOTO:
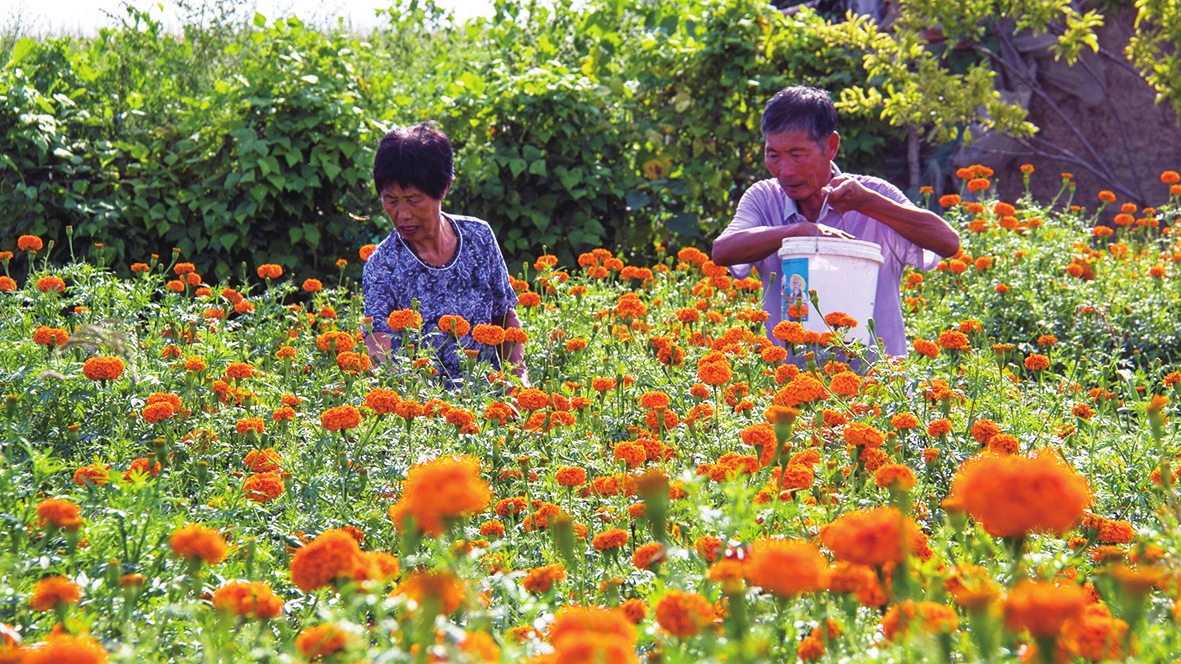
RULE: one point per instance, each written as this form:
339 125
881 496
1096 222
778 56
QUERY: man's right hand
826 231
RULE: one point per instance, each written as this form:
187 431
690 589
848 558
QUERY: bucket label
795 289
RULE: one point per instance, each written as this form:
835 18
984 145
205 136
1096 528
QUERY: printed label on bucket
795 289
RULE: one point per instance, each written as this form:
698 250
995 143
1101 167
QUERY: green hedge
617 125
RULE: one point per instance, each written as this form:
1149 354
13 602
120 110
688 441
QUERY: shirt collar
791 209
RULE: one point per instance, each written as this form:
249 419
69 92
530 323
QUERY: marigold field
198 471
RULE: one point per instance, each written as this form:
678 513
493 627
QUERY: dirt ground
1137 138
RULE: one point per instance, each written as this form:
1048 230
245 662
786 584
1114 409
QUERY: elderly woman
450 263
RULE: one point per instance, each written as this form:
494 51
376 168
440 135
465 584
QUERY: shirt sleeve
906 251
749 214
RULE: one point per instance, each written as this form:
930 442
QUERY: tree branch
1037 88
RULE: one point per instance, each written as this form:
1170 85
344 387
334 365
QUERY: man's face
801 164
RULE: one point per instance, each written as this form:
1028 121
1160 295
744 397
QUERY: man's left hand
846 194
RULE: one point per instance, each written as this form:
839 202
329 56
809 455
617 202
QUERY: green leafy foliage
616 124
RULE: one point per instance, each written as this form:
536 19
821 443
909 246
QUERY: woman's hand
379 346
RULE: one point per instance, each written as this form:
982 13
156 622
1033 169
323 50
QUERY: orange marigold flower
334 340
863 435
489 335
312 285
954 340
1170 177
903 421
454 325
47 284
1004 443
333 555
845 383
589 634
96 475
1095 636
50 336
443 489
270 271
103 368
29 243
927 348
515 335
976 185
402 319
240 370
7 284
984 429
909 616
602 385
446 591
263 487
648 554
247 599
708 547
529 299
571 476
684 614
340 418
635 609
870 537
654 400
262 461
949 200
1107 196
1037 362
803 388
894 476
540 579
248 424
715 373
791 332
382 401
353 363
785 568
321 641
139 468
62 648
54 590
1042 607
157 412
196 542
60 513
610 540
1013 496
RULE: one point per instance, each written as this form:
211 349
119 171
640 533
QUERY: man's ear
832 144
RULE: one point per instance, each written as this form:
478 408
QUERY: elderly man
807 195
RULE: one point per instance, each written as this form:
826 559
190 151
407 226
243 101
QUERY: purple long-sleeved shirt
767 204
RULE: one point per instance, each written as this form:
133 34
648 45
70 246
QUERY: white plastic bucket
844 274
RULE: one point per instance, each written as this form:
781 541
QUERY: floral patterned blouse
474 284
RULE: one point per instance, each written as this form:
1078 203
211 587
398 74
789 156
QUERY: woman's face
416 216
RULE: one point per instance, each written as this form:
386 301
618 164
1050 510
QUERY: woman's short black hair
419 155
800 108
